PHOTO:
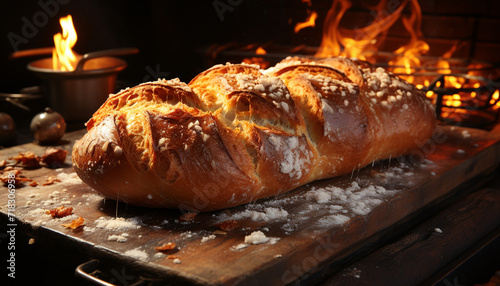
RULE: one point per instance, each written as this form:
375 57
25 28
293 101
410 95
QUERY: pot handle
84 270
104 53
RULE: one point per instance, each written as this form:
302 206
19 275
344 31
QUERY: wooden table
314 232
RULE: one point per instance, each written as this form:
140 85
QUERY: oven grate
483 100
475 102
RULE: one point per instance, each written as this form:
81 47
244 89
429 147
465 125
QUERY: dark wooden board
313 225
427 254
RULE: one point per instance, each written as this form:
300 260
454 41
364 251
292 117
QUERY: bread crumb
240 246
256 237
207 238
466 134
137 254
69 178
117 223
268 214
119 238
159 255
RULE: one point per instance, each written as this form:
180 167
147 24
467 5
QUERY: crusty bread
236 133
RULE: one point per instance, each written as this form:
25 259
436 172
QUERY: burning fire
455 87
363 43
310 22
495 98
258 60
63 57
260 51
408 56
360 43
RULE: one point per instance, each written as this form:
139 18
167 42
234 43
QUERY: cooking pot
77 94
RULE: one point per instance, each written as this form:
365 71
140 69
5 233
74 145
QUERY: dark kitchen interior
182 38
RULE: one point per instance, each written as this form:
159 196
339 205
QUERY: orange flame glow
408 56
407 61
260 51
63 57
330 43
310 22
494 98
360 42
258 60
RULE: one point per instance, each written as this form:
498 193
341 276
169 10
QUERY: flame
260 51
407 61
455 100
330 43
310 22
443 66
359 42
63 57
408 56
258 60
494 100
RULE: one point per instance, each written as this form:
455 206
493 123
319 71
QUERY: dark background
176 34
172 34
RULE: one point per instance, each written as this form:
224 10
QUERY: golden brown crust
236 133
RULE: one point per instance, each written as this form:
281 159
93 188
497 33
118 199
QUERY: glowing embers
465 99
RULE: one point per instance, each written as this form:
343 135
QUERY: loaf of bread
237 133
